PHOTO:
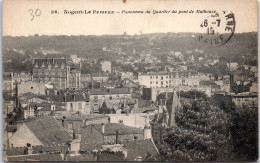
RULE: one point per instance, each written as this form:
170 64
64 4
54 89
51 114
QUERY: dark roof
81 117
120 91
110 129
11 128
130 84
98 92
47 106
144 109
35 157
112 91
95 116
92 133
139 148
7 76
50 61
205 82
144 103
48 131
75 97
61 97
54 98
135 148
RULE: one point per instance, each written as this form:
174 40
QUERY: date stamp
219 28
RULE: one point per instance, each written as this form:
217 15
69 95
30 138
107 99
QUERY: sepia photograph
129 81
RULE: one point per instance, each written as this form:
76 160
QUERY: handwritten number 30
37 12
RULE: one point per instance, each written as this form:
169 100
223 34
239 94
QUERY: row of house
93 142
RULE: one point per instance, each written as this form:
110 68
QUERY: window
161 82
151 77
110 97
166 77
95 97
156 77
161 77
151 82
156 82
31 87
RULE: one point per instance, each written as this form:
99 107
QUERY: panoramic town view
143 97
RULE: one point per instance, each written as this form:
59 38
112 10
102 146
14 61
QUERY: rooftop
48 131
99 75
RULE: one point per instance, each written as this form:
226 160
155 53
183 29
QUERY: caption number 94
35 13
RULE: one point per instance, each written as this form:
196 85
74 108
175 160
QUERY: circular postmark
219 28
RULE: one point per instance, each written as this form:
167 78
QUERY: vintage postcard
130 80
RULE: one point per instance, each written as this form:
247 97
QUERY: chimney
74 134
30 149
63 120
102 128
117 137
147 132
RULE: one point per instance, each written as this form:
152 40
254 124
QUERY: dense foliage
212 129
245 134
201 134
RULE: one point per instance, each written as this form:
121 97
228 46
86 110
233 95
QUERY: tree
245 135
201 134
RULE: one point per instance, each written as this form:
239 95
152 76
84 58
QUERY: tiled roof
54 98
75 97
98 92
110 129
135 148
120 91
48 131
139 148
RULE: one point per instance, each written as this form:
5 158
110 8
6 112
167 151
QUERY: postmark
218 27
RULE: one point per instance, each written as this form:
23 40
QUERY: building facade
56 71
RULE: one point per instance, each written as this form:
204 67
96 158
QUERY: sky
17 16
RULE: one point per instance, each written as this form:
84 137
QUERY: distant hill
242 48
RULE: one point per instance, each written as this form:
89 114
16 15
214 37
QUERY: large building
172 79
58 72
98 96
154 80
